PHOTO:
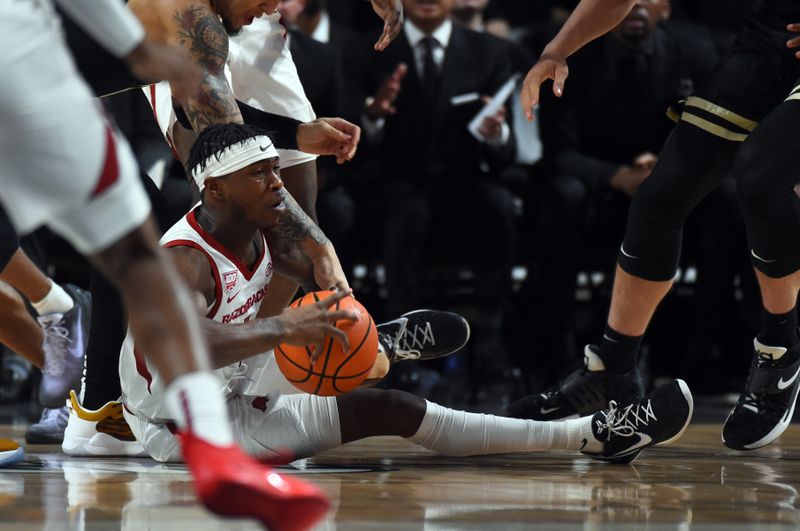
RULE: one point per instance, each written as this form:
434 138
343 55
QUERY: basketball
334 372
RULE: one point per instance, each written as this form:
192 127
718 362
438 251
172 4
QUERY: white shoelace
412 341
237 376
56 344
627 422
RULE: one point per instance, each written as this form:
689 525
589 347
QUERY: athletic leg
18 330
766 175
108 323
696 157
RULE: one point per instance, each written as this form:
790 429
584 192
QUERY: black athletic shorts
753 76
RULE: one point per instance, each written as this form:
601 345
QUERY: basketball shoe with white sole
10 452
102 432
230 483
765 408
660 418
423 335
583 392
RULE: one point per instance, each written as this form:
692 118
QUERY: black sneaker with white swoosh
765 408
583 392
626 430
423 335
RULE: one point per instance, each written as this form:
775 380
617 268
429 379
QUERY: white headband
234 158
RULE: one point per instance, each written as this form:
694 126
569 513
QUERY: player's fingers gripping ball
333 372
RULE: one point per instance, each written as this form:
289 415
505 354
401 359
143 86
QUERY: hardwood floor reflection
392 484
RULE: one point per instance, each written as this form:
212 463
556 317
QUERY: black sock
779 330
618 351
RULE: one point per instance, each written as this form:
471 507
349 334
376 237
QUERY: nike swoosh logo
545 411
644 440
622 250
759 258
583 445
233 296
264 148
605 336
783 385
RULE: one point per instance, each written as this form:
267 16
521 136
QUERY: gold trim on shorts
716 120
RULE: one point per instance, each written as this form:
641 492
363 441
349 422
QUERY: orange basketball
334 372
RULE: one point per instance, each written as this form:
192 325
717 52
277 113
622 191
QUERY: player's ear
213 189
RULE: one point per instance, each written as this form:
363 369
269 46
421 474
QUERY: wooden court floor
391 484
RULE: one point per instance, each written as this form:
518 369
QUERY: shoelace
237 376
56 345
413 340
627 422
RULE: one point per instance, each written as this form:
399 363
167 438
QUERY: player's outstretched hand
155 62
314 323
391 11
547 67
329 136
794 42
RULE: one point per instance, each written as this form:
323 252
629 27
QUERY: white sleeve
109 22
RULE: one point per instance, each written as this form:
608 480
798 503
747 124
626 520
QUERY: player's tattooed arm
302 252
201 32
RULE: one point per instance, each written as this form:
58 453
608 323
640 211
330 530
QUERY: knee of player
401 404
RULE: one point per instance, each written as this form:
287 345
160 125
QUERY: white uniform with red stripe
61 163
254 388
262 74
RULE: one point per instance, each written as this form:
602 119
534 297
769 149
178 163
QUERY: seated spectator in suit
438 189
602 138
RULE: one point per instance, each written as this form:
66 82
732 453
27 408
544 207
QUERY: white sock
56 301
195 401
458 433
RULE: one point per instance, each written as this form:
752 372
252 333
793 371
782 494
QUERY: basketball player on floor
243 199
64 166
203 28
748 85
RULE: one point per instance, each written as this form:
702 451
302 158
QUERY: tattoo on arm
294 225
202 33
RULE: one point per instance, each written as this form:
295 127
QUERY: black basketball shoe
583 392
423 335
661 418
765 408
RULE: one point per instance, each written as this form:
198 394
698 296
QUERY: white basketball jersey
239 292
263 74
260 70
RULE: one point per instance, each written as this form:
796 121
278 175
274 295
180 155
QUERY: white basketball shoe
103 432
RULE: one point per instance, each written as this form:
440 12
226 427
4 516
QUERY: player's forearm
298 231
212 103
110 23
202 33
231 343
589 20
299 247
283 129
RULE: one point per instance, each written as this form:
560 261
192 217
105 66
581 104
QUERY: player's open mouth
280 204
